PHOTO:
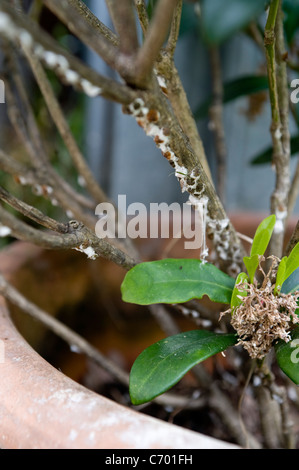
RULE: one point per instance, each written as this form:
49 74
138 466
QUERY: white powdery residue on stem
25 39
22 180
280 220
161 81
81 181
51 59
148 119
7 27
278 134
4 231
69 214
220 236
89 251
71 77
200 204
223 245
90 89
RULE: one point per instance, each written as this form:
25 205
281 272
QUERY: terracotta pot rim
42 408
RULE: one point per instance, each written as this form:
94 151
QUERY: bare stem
175 29
217 125
77 237
77 23
64 129
63 331
31 212
154 39
279 127
142 14
94 22
123 17
68 68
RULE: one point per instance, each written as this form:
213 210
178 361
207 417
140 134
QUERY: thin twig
84 347
123 17
47 182
154 40
78 25
216 120
31 212
63 331
64 129
288 436
274 44
142 14
223 407
94 22
269 415
78 237
71 70
174 29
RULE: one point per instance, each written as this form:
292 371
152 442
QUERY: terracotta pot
42 408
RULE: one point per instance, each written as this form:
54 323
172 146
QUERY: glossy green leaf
259 245
287 355
291 284
234 89
221 19
163 364
266 155
292 262
235 300
262 236
280 276
175 281
251 263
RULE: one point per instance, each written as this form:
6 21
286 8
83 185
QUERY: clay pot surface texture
41 408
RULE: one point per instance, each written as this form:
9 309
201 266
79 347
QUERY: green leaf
292 262
287 355
234 89
251 263
259 245
291 284
280 276
221 19
163 364
266 155
235 300
262 236
175 281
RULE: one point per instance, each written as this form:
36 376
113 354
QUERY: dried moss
262 317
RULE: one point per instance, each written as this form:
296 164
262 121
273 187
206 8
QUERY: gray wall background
126 161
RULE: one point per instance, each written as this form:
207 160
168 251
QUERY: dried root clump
263 318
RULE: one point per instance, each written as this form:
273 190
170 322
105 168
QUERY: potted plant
248 282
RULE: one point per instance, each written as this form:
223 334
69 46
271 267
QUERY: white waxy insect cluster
88 251
51 59
280 221
148 120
